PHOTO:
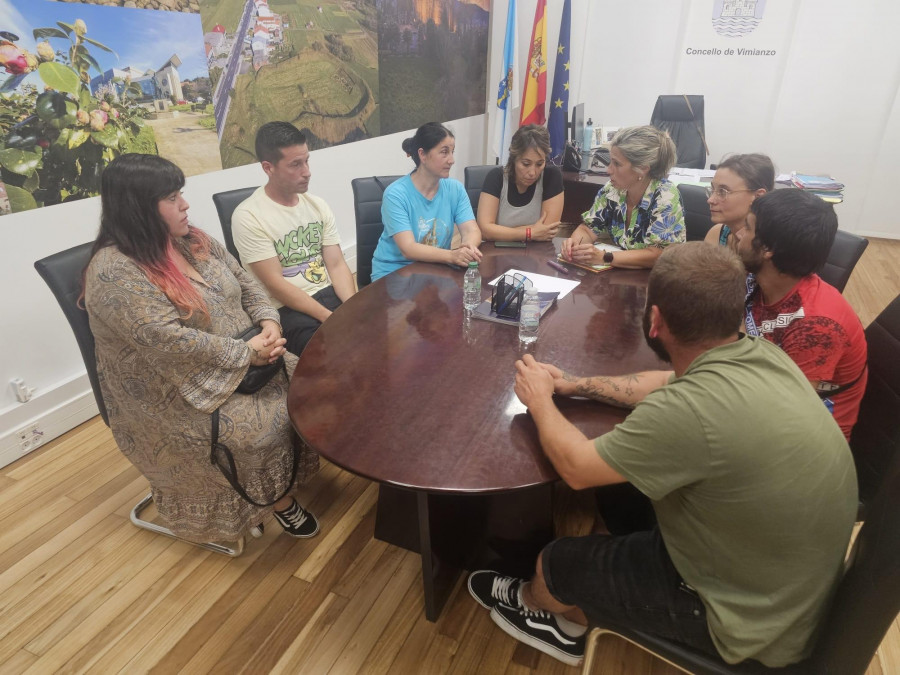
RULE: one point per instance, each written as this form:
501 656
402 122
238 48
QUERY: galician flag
559 99
535 95
508 90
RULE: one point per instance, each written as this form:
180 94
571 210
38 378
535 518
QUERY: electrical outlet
30 437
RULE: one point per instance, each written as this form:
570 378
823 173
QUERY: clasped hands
536 382
268 346
580 248
465 254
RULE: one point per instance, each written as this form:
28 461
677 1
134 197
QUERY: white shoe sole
529 640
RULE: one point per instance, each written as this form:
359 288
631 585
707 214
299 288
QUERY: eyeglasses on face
722 193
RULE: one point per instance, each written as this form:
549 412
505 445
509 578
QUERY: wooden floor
83 590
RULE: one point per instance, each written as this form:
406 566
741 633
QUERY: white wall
38 344
827 101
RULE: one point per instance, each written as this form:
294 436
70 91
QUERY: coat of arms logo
736 18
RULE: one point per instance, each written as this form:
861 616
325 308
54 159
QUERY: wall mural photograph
85 83
313 63
81 83
432 60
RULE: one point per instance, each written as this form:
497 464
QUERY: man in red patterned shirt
787 238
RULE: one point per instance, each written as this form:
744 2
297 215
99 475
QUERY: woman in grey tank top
522 201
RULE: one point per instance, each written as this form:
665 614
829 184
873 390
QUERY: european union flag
559 99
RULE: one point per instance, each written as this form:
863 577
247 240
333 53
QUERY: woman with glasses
738 181
165 302
638 208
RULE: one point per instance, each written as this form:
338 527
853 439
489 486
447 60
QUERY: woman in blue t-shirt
420 210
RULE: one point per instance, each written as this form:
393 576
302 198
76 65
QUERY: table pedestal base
455 532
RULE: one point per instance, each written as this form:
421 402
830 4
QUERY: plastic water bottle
529 316
472 287
586 145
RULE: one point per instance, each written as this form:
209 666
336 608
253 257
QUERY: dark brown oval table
399 388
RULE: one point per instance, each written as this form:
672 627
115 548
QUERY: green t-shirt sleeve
660 446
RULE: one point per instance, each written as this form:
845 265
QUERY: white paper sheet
543 283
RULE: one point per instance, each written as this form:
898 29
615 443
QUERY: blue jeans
627 581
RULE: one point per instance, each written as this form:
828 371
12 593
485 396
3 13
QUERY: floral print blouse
658 219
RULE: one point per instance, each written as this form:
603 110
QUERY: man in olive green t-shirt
751 480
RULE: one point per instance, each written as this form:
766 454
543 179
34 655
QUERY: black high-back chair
474 179
63 273
875 440
367 194
846 250
226 203
684 122
697 220
865 605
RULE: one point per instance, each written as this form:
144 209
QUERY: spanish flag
535 94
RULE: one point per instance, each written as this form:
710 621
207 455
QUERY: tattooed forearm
604 390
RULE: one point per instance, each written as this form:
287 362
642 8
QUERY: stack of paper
825 187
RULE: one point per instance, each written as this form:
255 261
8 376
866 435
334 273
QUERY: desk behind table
580 190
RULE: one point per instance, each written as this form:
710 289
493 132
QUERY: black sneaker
490 589
540 630
297 521
257 531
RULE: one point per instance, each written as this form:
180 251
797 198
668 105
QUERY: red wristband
527 234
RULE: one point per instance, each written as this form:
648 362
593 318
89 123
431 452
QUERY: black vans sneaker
297 521
490 589
540 630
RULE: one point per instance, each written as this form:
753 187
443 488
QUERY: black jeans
628 581
298 327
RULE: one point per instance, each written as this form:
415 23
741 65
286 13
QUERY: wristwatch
608 257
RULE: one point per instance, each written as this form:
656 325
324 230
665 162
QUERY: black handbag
257 377
220 455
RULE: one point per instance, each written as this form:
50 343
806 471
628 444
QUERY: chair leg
159 529
590 650
593 640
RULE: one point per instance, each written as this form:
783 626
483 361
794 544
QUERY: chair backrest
226 203
845 252
367 194
63 273
876 437
672 114
474 179
697 221
868 597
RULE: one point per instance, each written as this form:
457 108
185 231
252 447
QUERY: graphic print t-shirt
263 229
819 330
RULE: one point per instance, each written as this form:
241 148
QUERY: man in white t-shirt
288 240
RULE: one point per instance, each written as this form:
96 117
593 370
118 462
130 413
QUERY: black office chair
474 179
63 272
226 203
846 250
367 194
697 221
875 440
864 607
683 119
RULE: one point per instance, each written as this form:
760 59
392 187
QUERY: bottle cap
474 263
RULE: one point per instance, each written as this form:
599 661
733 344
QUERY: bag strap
696 123
231 475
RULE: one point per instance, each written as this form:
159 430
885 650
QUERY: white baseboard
53 412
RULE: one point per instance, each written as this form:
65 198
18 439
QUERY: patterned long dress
162 374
